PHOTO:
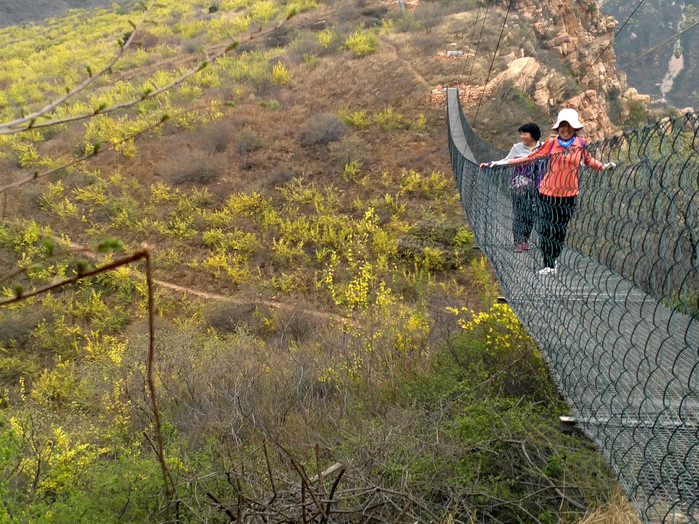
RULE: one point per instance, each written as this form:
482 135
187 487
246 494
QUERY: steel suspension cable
480 35
473 34
603 50
495 53
655 48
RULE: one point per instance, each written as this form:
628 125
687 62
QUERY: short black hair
532 129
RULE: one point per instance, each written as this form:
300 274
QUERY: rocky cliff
567 62
668 72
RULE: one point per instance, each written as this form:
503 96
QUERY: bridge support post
568 424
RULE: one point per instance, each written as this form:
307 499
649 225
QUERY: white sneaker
548 271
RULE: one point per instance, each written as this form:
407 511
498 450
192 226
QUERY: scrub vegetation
321 342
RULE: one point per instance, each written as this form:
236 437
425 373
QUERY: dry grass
193 167
321 129
217 136
618 511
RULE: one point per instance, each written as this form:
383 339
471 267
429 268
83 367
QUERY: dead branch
402 513
221 506
269 472
170 487
329 471
306 485
328 508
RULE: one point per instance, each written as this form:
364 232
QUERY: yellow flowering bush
500 350
362 43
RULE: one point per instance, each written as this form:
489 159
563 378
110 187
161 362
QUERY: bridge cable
473 34
661 44
495 53
485 17
570 92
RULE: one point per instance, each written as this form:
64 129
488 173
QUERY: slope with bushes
327 342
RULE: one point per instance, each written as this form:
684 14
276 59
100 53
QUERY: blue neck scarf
566 143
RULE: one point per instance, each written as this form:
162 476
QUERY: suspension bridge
618 323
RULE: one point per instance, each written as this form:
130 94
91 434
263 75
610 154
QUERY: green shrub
307 43
354 118
325 37
280 73
271 104
390 120
637 114
362 43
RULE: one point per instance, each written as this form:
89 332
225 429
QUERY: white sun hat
568 115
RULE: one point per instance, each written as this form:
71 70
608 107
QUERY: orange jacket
561 178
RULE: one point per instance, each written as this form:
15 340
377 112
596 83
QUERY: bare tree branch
36 175
29 121
21 295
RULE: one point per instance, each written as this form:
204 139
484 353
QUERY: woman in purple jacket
522 184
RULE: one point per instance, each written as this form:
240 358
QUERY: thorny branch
143 253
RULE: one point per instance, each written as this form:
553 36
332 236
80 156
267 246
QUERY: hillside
28 11
327 345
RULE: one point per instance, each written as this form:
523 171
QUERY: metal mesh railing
618 322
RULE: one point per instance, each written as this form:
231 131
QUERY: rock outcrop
573 64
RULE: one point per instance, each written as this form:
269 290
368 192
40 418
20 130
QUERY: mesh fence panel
618 321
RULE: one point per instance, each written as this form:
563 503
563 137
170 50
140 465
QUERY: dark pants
554 215
522 219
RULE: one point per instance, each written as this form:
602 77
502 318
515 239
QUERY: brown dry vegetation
257 148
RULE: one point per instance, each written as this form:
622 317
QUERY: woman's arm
543 150
511 154
592 162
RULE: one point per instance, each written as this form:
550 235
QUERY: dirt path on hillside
214 296
407 64
271 303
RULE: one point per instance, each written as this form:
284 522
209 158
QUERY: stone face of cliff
669 73
573 64
579 35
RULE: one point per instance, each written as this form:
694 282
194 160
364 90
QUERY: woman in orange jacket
558 189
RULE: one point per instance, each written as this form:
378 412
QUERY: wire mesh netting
607 283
